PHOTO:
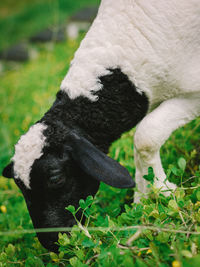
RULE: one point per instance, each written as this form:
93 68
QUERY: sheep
137 65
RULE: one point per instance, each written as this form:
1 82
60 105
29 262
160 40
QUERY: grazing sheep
139 62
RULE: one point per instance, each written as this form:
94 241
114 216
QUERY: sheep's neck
118 109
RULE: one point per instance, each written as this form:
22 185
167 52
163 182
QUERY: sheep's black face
56 182
62 176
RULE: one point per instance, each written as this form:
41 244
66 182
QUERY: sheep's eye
56 179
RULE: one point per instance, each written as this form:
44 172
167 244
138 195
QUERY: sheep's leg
153 131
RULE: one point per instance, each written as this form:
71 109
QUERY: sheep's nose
48 240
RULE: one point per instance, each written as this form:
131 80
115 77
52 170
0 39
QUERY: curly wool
27 150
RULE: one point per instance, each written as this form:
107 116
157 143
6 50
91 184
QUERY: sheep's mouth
49 240
49 223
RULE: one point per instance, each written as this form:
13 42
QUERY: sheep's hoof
166 187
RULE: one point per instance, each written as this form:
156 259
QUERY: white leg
153 131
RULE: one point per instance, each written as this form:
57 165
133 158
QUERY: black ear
8 171
99 165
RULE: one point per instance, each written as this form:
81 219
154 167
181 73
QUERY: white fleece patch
27 150
155 43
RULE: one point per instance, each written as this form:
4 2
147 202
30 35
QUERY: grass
25 94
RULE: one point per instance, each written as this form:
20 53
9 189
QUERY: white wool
156 43
27 150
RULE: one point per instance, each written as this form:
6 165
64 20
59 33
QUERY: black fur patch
118 109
